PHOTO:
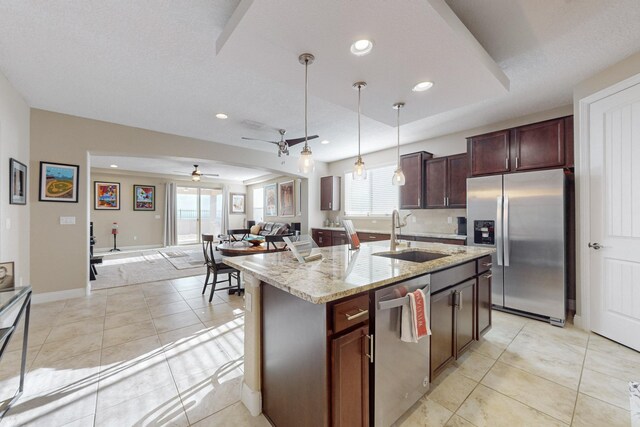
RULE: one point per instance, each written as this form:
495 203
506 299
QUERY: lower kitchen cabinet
350 378
442 340
465 315
329 237
483 322
373 237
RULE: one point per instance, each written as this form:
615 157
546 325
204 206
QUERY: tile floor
160 354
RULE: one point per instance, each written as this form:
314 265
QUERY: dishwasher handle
399 302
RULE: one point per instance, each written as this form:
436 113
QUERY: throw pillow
255 229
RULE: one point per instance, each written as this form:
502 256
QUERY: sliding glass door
199 211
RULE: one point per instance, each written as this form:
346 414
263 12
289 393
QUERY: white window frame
348 180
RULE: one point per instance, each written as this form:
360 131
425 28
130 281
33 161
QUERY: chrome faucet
395 222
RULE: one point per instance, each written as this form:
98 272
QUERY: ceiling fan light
195 177
398 178
305 162
359 170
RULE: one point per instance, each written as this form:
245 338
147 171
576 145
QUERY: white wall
14 143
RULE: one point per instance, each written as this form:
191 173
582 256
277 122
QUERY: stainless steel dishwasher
401 369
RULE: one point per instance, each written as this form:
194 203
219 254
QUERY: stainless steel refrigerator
522 215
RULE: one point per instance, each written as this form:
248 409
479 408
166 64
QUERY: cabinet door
350 379
568 141
442 332
484 304
330 193
411 191
539 145
436 183
373 237
489 154
339 238
324 238
457 172
465 315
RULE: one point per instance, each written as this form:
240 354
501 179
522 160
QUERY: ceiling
184 167
171 66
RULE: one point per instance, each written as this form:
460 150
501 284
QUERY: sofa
273 228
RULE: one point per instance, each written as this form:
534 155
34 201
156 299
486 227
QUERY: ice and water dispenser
484 232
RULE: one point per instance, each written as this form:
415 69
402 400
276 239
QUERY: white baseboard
252 400
102 251
59 295
577 322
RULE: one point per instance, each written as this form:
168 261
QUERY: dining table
246 248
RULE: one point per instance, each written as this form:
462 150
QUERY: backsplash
426 220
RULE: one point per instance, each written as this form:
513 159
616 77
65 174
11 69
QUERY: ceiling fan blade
295 141
256 139
209 174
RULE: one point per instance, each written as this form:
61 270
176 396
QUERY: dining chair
272 239
215 267
235 232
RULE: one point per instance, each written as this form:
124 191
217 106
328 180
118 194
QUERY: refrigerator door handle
506 231
498 230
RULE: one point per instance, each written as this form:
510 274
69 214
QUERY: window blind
372 196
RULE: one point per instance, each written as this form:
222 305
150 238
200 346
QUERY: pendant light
359 171
306 163
398 175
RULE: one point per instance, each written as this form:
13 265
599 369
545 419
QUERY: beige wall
430 220
618 72
68 139
296 218
14 143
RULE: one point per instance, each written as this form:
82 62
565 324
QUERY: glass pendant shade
359 171
398 177
305 162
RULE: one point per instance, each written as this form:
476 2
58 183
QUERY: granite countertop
342 272
403 233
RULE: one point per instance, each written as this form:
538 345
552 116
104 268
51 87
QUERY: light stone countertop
403 233
342 272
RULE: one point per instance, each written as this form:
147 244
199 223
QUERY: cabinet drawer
350 312
445 278
373 237
484 264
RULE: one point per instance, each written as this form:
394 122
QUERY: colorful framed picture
286 198
237 203
58 182
106 195
144 197
17 182
271 200
7 275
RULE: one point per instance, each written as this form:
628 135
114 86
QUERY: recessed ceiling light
325 141
361 47
114 166
222 116
422 86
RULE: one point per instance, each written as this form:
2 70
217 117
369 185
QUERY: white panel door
614 124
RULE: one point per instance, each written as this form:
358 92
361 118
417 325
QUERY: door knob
595 246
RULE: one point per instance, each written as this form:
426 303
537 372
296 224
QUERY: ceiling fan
283 144
197 174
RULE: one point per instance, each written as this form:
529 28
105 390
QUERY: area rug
142 267
184 259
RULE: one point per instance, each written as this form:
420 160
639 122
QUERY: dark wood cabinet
542 145
339 238
412 191
350 379
442 329
431 239
538 145
446 182
489 154
330 193
373 237
465 315
484 304
322 237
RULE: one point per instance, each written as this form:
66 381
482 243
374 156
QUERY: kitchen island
309 328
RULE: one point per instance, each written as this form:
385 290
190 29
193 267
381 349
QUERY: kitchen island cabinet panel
442 327
465 316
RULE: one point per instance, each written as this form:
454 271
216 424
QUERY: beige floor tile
127 333
196 301
176 321
222 311
122 307
494 342
186 282
130 289
126 318
82 422
592 412
10 371
230 337
567 335
135 297
125 355
160 407
75 329
167 309
36 338
195 354
158 288
458 421
86 314
450 389
488 408
473 365
603 345
612 365
425 413
538 393
203 395
92 300
608 389
163 299
234 415
64 375
56 350
182 335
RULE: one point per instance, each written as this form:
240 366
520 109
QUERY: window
258 195
372 196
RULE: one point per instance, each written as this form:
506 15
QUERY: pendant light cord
398 136
359 89
306 88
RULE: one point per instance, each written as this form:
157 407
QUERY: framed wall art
58 182
271 200
237 203
17 182
144 197
7 275
286 199
106 195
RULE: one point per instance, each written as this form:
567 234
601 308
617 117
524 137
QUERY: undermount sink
413 256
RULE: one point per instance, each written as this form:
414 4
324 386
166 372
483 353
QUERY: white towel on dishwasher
407 327
415 318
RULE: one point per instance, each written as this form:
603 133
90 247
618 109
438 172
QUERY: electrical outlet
157 217
450 220
135 237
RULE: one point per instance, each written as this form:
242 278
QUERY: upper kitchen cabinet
489 154
330 193
446 182
411 192
542 145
